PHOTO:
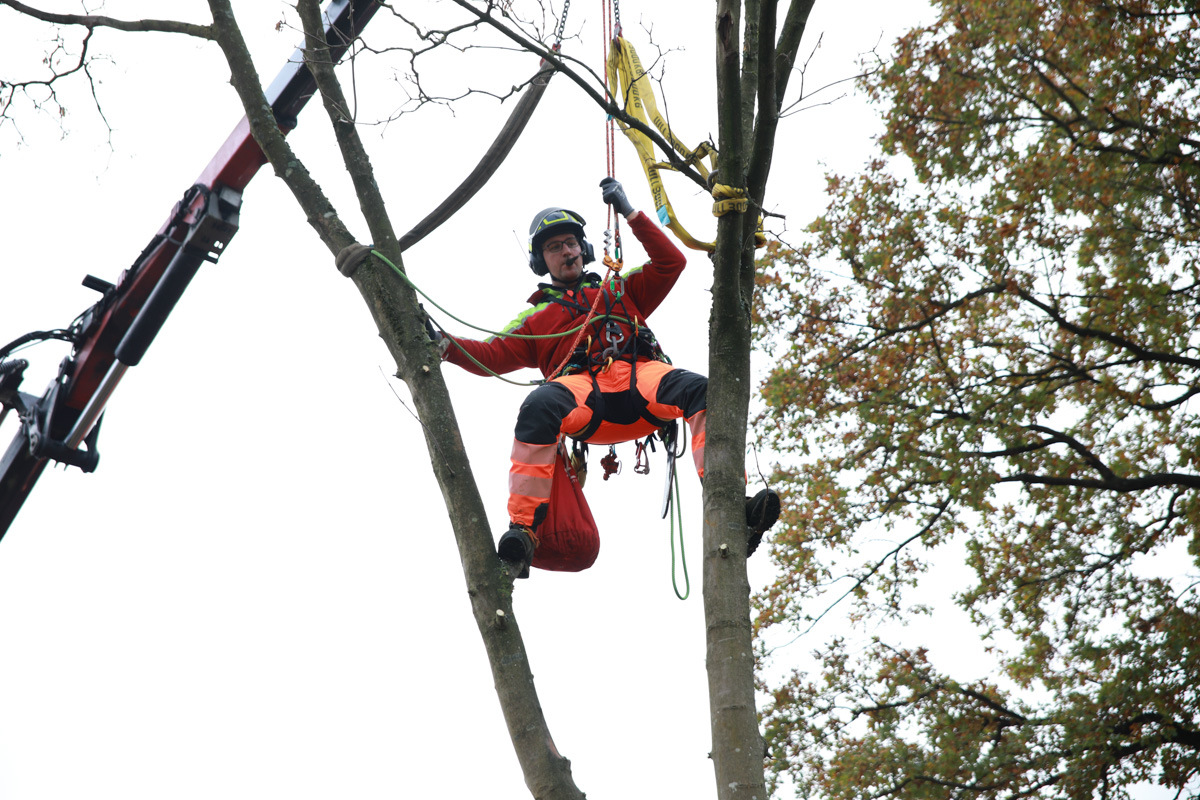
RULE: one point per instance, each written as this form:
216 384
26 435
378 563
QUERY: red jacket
556 310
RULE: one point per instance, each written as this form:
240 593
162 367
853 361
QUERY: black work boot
516 547
762 511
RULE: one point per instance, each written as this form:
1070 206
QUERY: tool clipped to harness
642 467
611 464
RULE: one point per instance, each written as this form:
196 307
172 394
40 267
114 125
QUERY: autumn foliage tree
988 349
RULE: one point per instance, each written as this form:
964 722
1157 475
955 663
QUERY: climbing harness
616 347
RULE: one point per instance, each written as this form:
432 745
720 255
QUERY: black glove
435 336
614 194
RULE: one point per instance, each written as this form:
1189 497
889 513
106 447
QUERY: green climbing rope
473 360
676 512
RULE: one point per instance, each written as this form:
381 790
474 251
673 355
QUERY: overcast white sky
257 594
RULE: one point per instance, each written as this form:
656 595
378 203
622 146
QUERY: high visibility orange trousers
569 405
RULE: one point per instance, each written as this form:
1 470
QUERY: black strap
597 412
642 404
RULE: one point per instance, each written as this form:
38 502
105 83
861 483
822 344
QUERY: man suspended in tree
607 382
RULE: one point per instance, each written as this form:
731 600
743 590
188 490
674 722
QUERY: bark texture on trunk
737 748
393 305
752 69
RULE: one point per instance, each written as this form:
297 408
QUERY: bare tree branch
559 62
92 21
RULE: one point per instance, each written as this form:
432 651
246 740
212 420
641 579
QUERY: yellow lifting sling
629 86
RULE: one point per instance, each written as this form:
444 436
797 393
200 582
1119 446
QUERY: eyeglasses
554 248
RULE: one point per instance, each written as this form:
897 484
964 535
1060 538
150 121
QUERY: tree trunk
393 306
746 146
737 744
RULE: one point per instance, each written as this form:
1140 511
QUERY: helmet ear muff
537 261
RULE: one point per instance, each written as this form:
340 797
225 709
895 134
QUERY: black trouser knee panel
687 390
542 413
